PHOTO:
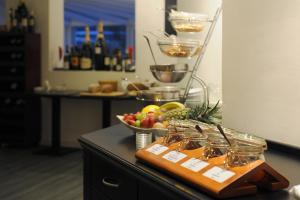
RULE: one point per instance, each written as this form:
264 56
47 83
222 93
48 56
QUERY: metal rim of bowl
170 68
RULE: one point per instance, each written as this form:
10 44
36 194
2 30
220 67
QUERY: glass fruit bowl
188 22
157 132
182 48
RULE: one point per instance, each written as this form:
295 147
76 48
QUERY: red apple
131 122
151 122
130 117
145 122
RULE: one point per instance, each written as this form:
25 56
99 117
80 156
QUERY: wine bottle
17 21
127 61
100 48
107 62
118 62
31 22
24 15
74 59
86 54
11 19
67 58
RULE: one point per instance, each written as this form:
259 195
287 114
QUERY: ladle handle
199 129
222 132
148 42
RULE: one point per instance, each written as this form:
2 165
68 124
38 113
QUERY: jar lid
246 138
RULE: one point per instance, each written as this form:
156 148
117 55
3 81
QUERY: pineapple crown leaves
208 115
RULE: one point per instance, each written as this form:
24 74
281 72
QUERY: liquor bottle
11 19
100 49
67 58
17 22
31 23
127 61
118 62
23 15
114 61
74 59
86 62
107 60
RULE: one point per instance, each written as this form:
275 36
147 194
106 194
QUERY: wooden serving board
101 94
211 176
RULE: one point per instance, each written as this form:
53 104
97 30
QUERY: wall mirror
118 20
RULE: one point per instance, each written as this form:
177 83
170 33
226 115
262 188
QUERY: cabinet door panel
96 195
111 181
148 192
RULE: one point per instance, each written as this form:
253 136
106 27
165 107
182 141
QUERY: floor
24 176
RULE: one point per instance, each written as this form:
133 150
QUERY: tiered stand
211 176
193 71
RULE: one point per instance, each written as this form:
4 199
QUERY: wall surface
261 68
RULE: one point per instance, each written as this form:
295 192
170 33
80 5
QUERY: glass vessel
174 135
193 141
188 22
241 154
215 147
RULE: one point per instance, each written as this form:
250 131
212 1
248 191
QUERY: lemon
150 108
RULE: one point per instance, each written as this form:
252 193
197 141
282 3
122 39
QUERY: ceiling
92 11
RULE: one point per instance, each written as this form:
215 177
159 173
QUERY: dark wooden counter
116 146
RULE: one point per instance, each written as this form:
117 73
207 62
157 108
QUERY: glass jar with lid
243 153
244 137
176 131
175 134
193 141
216 146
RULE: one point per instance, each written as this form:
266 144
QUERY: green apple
140 116
137 123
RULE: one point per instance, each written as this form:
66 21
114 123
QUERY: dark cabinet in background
20 68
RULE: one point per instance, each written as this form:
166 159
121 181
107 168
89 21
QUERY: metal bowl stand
193 75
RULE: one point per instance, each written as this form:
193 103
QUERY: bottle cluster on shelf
97 56
20 19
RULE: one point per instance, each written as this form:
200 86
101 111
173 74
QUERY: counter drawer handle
110 182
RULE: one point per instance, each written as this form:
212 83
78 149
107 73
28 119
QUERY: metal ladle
148 42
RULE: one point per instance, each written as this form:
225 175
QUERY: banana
171 105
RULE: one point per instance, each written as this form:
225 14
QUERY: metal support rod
201 55
205 91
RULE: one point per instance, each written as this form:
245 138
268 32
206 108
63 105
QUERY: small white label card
194 164
174 156
218 174
157 149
